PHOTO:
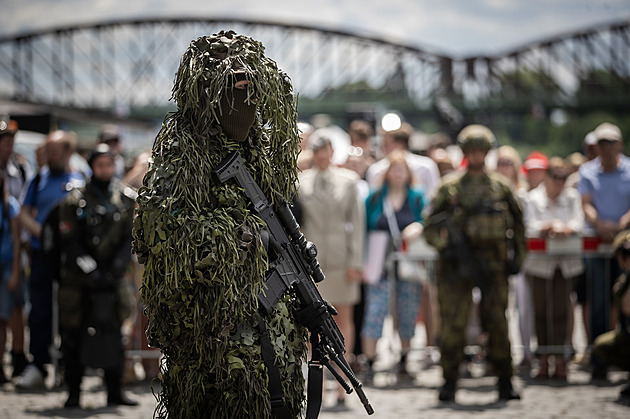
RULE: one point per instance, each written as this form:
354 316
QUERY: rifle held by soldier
293 265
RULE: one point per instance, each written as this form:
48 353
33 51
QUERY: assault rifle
293 265
459 252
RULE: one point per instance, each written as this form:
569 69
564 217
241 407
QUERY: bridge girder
131 63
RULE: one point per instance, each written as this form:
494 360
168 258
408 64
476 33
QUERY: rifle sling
275 383
314 390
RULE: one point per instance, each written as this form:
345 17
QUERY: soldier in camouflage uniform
613 347
477 225
95 225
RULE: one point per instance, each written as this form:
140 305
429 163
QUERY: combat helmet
476 136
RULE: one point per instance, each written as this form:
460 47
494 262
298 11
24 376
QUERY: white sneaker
31 378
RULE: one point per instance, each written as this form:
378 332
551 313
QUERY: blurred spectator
305 158
17 174
553 211
589 146
41 157
361 134
424 169
508 163
333 218
78 163
358 164
11 296
11 291
605 189
535 168
399 199
443 161
438 141
111 135
361 142
95 224
135 175
574 161
42 196
613 348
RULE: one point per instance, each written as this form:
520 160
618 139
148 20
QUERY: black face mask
236 114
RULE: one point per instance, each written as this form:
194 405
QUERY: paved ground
577 398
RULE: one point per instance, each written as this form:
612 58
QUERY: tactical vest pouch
488 226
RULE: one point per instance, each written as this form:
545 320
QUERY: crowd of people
482 207
477 204
66 250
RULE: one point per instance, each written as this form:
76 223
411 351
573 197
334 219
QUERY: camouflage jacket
485 211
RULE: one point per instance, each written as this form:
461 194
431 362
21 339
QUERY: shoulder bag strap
388 210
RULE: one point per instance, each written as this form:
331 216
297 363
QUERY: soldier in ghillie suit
201 245
477 225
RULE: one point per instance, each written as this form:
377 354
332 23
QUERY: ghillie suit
201 246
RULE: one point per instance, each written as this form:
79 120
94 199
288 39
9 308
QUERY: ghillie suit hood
200 283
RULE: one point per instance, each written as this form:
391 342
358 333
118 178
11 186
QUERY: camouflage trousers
455 299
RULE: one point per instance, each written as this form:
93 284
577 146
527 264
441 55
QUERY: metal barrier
597 256
585 247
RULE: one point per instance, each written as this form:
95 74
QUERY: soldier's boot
115 395
74 391
447 392
506 391
19 363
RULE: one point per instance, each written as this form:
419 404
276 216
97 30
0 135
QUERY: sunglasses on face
559 177
505 162
605 142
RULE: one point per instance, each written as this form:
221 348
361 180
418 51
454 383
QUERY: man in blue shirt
605 189
41 197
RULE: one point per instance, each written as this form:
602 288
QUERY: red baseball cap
535 160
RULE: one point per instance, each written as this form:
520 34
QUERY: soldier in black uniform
95 225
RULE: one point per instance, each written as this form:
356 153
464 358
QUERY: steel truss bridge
120 65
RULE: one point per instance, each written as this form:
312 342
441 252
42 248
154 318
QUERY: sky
453 27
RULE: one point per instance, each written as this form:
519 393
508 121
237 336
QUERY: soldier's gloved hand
245 236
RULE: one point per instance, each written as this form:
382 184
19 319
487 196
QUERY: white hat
607 131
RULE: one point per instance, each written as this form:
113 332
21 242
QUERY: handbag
377 243
406 268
